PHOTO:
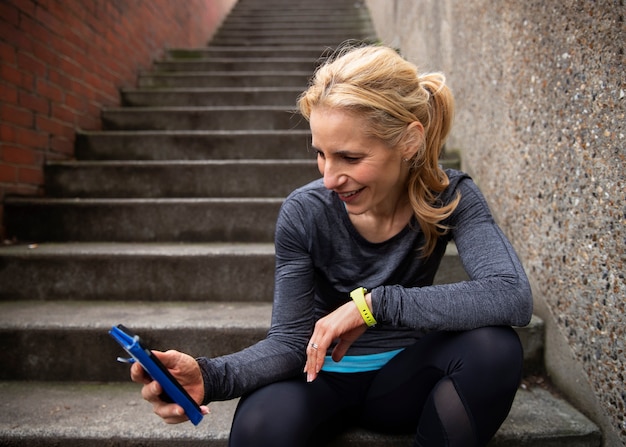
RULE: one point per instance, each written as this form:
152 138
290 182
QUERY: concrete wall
61 61
540 88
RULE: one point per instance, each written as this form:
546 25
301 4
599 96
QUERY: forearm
233 375
498 292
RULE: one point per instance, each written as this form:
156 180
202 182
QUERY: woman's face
367 175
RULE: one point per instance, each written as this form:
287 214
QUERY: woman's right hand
186 370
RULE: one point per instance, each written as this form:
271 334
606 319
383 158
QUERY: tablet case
132 344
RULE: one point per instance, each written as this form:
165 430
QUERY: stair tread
157 315
169 249
53 201
184 163
102 412
196 132
198 327
99 315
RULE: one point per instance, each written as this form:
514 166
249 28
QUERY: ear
413 141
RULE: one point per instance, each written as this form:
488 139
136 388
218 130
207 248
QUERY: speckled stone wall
540 88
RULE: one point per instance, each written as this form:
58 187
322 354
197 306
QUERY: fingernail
309 377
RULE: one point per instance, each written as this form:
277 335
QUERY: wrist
358 295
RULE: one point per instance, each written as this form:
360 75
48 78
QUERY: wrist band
358 296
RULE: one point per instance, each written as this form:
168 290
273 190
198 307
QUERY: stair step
225 96
142 220
237 64
151 271
33 347
72 341
215 51
225 79
320 40
252 32
211 178
205 118
138 271
297 24
39 414
270 13
193 145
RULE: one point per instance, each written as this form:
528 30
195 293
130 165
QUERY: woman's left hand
345 325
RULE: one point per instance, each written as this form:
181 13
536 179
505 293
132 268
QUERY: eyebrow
339 152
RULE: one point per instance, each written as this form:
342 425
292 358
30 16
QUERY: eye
320 154
350 159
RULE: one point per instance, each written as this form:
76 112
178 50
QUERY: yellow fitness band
358 296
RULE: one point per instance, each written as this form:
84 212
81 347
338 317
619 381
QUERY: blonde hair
377 84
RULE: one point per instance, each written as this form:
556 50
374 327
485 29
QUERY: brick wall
61 61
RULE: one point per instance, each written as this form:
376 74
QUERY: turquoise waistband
359 363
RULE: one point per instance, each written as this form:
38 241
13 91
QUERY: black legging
449 388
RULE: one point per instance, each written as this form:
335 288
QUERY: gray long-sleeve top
320 258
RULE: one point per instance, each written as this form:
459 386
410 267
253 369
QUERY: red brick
10 74
33 176
88 121
62 46
75 102
16 37
34 29
54 127
49 91
16 115
71 68
49 21
61 80
31 138
21 156
34 102
28 81
7 53
9 14
7 133
8 174
63 146
27 63
8 93
43 52
26 6
62 113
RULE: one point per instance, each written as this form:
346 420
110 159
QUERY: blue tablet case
157 371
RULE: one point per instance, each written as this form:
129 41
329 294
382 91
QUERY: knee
246 427
497 351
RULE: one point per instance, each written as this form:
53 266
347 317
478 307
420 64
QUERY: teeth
348 194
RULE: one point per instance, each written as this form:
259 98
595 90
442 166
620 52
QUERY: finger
138 374
169 359
340 350
315 360
170 413
151 392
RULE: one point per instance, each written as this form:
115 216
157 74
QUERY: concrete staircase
165 223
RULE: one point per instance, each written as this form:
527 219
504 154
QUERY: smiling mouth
349 194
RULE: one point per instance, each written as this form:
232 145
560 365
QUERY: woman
359 334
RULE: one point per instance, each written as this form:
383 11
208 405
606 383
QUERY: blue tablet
153 366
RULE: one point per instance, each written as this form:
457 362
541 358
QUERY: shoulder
313 191
459 182
472 203
305 203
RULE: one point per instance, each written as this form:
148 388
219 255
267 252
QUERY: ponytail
426 179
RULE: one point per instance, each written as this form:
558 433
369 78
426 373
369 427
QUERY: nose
333 178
